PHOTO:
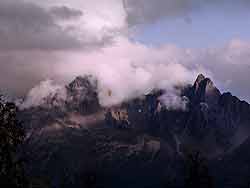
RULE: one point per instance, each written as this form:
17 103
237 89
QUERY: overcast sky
59 39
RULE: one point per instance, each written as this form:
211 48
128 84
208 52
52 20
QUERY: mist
63 40
130 69
126 69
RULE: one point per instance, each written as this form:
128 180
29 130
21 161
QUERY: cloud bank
130 69
37 96
126 69
59 40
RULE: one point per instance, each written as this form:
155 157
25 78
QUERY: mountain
139 143
82 95
213 123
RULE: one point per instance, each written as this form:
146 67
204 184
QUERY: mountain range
140 142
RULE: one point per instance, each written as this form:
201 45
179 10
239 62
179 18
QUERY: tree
11 137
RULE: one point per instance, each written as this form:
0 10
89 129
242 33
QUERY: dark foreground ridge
140 143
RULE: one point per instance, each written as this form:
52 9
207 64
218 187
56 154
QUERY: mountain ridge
141 132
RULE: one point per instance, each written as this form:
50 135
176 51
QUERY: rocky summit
139 143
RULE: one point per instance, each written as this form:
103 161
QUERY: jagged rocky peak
204 91
204 84
82 94
87 82
199 79
83 88
136 113
234 105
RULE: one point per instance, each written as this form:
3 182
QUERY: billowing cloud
80 25
62 39
28 26
25 26
129 69
45 89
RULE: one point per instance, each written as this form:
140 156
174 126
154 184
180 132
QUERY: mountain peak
81 82
200 78
204 90
82 94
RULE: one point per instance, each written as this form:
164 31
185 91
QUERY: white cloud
128 69
100 18
125 67
38 95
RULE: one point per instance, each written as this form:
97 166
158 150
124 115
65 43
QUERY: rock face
211 123
82 95
204 91
79 99
136 143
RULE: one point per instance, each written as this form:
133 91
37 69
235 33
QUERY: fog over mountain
60 40
151 135
124 93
